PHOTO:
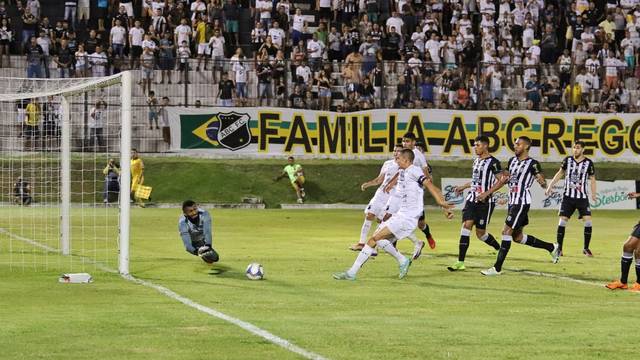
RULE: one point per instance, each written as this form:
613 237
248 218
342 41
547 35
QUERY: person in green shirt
296 176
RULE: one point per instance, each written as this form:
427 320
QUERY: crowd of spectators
348 55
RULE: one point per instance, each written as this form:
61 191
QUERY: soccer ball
255 271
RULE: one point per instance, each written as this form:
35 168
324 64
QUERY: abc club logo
229 130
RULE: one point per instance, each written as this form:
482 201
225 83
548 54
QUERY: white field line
287 345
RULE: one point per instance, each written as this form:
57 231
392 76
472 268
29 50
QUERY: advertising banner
611 195
448 134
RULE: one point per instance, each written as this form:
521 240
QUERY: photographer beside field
22 192
111 182
296 176
196 230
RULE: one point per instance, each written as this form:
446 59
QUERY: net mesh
31 163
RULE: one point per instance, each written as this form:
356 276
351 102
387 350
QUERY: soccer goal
65 146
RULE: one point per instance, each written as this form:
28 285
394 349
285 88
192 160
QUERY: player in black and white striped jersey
478 213
577 170
520 173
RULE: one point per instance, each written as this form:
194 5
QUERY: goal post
64 204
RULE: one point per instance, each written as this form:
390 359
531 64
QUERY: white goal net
64 173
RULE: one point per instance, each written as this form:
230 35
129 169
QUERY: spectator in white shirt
182 32
117 39
136 34
628 50
216 43
45 43
396 21
303 75
277 35
263 9
240 70
315 50
98 61
297 26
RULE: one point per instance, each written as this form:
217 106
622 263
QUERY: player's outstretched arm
436 193
555 179
392 183
207 228
186 238
377 181
541 180
459 189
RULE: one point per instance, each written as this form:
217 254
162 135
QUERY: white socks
388 247
366 226
362 258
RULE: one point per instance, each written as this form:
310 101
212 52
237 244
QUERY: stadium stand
341 55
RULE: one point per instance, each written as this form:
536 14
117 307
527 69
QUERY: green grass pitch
431 314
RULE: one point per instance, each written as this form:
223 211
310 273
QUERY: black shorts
479 212
136 51
325 13
636 231
50 129
517 216
569 205
31 131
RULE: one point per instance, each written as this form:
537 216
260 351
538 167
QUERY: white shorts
378 204
400 226
128 7
393 204
204 48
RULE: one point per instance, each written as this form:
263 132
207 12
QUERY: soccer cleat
299 201
491 272
457 266
431 241
555 254
343 276
417 251
635 287
356 247
587 253
404 268
617 284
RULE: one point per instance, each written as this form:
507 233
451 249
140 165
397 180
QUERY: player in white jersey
410 181
375 210
409 142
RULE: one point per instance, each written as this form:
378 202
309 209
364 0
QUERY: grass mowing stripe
186 301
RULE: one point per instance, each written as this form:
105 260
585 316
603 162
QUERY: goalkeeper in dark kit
196 231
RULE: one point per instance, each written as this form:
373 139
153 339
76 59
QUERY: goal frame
78 86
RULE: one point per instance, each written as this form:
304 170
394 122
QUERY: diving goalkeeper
195 226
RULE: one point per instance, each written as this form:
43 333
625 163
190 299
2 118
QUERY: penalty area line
274 339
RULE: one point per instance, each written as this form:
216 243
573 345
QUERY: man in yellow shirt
573 96
137 175
202 35
608 25
32 122
296 176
